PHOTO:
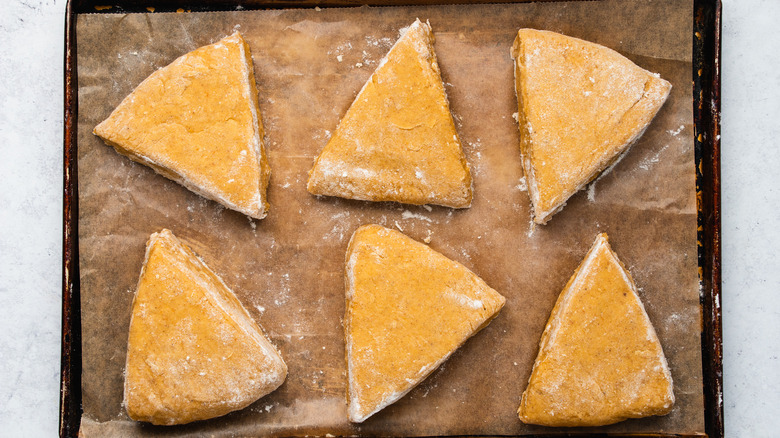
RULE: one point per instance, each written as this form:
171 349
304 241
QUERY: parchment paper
287 269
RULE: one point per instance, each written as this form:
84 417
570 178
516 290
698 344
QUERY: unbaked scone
600 361
408 309
397 142
193 351
580 107
197 122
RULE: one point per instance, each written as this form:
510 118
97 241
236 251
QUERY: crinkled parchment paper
288 269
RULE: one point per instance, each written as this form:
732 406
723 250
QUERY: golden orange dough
397 142
408 309
193 351
581 106
197 122
600 361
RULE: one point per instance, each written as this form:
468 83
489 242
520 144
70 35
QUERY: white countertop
31 132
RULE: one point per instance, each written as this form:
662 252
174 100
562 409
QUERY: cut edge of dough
354 411
257 142
541 216
430 56
559 309
230 306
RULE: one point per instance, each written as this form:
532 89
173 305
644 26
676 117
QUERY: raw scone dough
408 309
600 361
397 141
581 105
193 351
197 122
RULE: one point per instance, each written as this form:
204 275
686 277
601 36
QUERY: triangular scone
599 359
193 351
581 105
197 122
408 309
397 142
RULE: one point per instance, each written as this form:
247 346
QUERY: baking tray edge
706 112
706 116
70 372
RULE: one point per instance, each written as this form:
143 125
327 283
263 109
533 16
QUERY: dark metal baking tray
706 41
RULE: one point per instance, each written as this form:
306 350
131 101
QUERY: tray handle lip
706 107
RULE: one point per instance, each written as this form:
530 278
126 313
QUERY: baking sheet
288 268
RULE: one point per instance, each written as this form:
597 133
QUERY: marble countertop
31 47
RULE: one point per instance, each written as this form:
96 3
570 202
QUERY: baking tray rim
706 111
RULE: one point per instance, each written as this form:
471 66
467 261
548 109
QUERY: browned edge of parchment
706 78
